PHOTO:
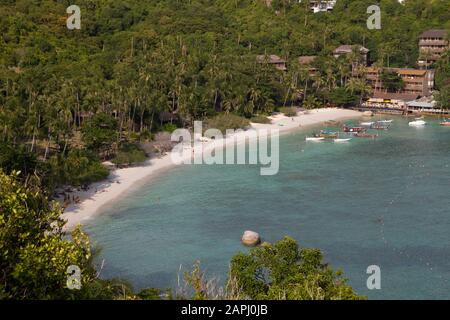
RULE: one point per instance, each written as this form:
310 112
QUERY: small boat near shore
203 139
366 124
342 140
380 126
354 129
315 138
417 123
445 123
328 134
385 121
365 135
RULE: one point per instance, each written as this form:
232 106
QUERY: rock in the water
251 238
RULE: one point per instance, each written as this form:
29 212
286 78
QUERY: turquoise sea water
384 202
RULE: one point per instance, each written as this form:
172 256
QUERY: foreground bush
35 252
280 271
283 271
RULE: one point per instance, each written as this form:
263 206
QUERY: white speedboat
417 123
315 138
203 139
367 124
385 121
342 140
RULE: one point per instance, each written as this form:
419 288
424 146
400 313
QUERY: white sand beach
122 181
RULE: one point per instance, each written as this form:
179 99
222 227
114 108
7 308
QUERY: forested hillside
72 98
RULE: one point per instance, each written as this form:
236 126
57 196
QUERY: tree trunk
151 121
47 147
306 88
32 142
141 123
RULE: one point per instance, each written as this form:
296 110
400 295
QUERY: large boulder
251 238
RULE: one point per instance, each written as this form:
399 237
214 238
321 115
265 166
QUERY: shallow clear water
384 202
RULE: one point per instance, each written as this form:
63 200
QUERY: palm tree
330 76
311 102
305 77
344 70
388 50
318 81
360 86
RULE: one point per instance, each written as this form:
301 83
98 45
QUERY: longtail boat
365 135
445 123
385 121
380 126
354 129
315 138
417 123
342 140
328 134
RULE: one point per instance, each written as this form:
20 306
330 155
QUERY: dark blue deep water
384 202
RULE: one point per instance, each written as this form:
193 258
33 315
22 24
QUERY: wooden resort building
347 49
417 82
415 97
432 44
321 5
306 62
272 59
425 105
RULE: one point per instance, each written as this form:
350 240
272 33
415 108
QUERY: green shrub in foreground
279 271
284 271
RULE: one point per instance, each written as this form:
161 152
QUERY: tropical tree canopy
283 270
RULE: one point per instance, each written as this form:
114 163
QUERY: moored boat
354 129
417 123
445 123
366 124
385 121
203 139
342 140
328 134
365 135
380 126
315 138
